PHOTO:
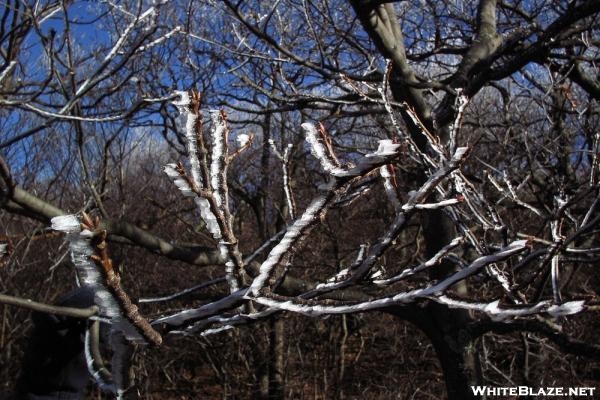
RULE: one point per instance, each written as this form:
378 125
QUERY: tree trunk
451 342
276 359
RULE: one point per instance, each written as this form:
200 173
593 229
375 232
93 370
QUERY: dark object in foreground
54 365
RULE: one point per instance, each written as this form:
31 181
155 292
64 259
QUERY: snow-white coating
229 266
571 307
318 150
242 139
97 74
208 217
90 276
513 248
511 194
183 105
226 322
218 154
378 272
7 70
184 101
285 158
555 228
358 271
192 147
206 310
386 147
498 313
263 246
181 292
340 276
286 181
390 190
493 309
384 154
292 235
182 184
218 183
424 266
344 273
203 205
171 171
387 150
160 39
460 105
388 107
439 204
362 267
66 223
433 292
90 362
218 147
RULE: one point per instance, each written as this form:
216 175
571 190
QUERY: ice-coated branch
492 309
430 292
219 162
360 270
433 261
497 313
555 228
433 140
183 292
226 303
439 204
388 184
223 323
208 183
264 246
94 270
159 40
189 189
7 70
383 90
89 275
285 166
219 200
318 150
100 73
319 205
244 141
94 361
184 105
510 193
292 237
461 104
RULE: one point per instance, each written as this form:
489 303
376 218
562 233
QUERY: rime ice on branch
208 183
88 248
90 276
445 188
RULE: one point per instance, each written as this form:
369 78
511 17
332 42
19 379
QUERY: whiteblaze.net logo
492 391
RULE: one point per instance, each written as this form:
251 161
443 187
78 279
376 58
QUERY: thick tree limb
137 236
